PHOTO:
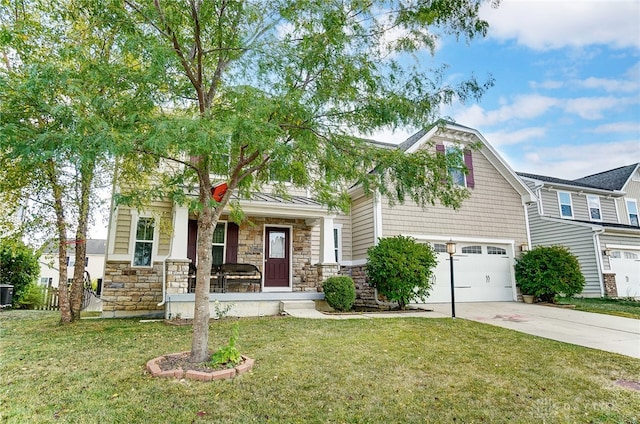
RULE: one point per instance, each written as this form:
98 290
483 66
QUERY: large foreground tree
258 91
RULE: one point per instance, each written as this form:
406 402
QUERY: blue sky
566 99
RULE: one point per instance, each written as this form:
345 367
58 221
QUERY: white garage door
626 265
482 273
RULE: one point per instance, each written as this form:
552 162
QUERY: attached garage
483 272
625 264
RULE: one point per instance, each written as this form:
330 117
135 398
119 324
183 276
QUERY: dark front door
276 264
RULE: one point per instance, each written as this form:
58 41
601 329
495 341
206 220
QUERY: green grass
603 305
401 370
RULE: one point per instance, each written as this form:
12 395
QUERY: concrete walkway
604 332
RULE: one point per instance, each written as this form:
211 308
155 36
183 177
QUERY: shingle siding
494 210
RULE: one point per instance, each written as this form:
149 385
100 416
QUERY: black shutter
231 256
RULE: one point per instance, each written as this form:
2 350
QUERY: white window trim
570 204
448 144
597 198
626 205
337 230
135 217
224 245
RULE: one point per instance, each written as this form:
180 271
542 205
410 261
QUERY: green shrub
18 267
400 269
32 297
548 271
339 292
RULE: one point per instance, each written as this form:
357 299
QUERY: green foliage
228 355
400 269
18 267
548 271
339 292
32 297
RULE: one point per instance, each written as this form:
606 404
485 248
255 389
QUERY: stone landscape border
155 370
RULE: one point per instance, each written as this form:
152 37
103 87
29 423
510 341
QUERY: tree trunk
86 179
201 314
61 228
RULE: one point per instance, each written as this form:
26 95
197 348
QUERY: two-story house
151 252
596 217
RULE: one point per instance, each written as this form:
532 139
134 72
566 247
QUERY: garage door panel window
616 254
473 250
630 255
493 250
440 248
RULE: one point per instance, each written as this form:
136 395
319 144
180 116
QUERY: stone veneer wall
251 248
365 294
610 287
139 290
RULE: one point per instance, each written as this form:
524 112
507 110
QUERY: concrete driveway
597 331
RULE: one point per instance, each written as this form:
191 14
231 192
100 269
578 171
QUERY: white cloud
617 127
523 107
551 24
504 138
610 85
549 85
594 107
569 162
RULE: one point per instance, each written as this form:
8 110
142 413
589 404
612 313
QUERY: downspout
164 270
596 244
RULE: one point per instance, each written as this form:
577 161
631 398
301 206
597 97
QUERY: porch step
287 305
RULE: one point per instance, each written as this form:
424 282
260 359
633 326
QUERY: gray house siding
577 238
551 205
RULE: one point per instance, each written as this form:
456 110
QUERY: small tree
339 292
546 271
18 267
400 269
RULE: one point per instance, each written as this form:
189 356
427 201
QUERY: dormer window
593 202
566 206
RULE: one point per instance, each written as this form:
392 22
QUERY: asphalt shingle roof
613 179
554 180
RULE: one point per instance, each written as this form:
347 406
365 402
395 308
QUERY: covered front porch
283 251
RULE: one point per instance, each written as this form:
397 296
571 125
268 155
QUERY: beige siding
166 231
347 241
494 210
123 231
362 227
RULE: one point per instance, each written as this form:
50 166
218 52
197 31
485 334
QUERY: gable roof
613 179
94 247
423 136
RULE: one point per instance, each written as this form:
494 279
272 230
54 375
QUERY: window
217 247
337 244
630 255
474 250
71 261
616 254
440 248
593 202
632 209
456 172
566 207
143 249
493 250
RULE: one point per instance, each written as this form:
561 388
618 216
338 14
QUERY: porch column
327 266
180 232
327 252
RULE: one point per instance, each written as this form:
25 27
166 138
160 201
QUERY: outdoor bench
225 274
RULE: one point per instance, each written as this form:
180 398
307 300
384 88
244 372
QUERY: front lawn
603 305
320 371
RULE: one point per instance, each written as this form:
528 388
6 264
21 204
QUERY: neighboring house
93 262
596 217
297 243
